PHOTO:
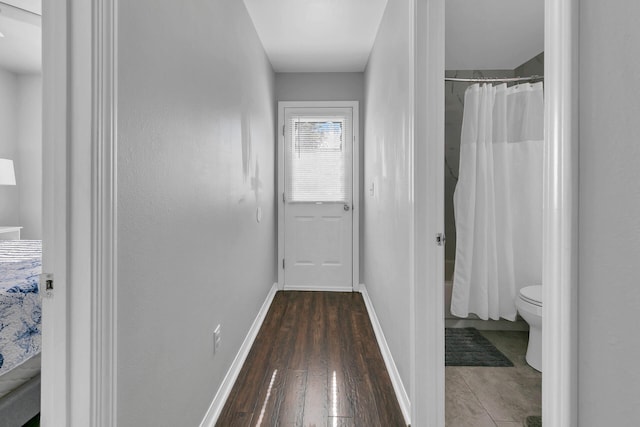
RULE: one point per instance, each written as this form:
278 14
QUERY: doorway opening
21 211
493 175
318 243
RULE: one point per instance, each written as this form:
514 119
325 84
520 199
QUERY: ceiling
34 6
492 34
317 35
21 46
337 35
332 35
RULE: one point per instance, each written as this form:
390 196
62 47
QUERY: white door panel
318 246
317 182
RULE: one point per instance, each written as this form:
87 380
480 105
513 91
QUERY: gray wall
609 215
388 167
9 194
21 141
195 160
329 87
29 167
533 67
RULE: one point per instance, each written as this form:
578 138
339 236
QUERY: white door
317 198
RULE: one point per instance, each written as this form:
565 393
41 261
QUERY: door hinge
441 239
46 284
283 263
284 199
283 130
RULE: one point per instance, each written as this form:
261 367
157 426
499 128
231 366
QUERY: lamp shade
7 174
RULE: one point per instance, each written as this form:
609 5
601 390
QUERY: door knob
346 207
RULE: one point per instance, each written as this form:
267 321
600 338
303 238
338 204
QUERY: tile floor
494 397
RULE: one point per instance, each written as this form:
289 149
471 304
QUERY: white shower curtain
498 199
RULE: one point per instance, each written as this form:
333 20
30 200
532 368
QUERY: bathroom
498 200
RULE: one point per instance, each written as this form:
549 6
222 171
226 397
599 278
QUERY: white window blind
318 158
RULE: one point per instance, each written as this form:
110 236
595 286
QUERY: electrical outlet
217 338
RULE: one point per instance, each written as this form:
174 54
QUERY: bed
20 330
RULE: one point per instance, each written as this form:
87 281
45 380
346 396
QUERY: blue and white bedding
20 302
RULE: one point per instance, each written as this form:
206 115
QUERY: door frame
280 152
79 356
427 386
55 371
560 215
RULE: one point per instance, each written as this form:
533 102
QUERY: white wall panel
609 215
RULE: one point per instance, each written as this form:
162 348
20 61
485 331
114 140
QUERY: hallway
315 362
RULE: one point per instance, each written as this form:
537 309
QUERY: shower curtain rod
491 79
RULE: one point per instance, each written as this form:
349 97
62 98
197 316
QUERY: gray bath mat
467 347
533 421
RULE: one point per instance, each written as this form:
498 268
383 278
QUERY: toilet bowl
529 304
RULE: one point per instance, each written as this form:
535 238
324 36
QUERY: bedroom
20 209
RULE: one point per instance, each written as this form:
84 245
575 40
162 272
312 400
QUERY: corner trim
104 277
560 214
396 380
232 374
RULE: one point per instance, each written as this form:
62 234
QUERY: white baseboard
398 386
232 375
314 288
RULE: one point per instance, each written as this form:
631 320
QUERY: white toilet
529 304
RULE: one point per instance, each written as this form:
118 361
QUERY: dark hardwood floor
315 362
